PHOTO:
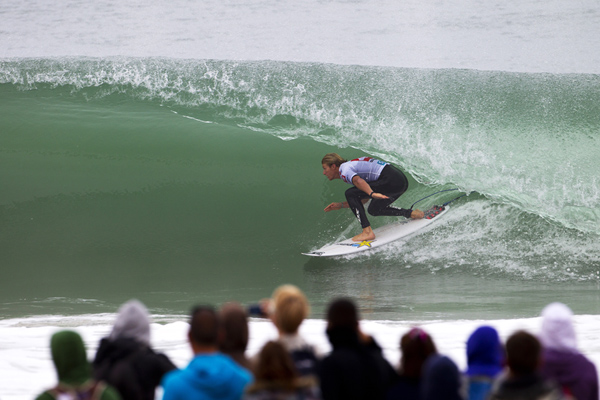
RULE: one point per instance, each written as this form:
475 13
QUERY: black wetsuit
392 183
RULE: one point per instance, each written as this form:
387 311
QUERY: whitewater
25 354
142 144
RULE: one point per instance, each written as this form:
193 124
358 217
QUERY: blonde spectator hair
290 308
332 158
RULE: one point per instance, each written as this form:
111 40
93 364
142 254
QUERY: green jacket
74 371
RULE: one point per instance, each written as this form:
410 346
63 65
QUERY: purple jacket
573 372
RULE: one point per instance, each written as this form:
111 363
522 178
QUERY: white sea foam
26 366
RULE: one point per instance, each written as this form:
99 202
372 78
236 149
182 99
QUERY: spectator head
70 359
342 323
204 329
290 308
557 328
275 364
234 337
132 322
441 379
485 355
342 313
523 352
416 346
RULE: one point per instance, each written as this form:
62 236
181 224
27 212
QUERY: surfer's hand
334 206
417 214
378 196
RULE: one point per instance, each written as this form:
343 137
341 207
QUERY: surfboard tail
434 212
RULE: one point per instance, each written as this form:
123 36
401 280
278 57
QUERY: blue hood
209 376
485 355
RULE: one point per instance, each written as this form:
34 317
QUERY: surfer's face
331 171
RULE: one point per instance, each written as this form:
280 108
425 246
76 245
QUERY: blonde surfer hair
290 308
332 158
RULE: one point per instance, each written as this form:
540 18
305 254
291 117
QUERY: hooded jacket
133 321
484 361
133 368
562 362
484 353
207 376
74 371
125 359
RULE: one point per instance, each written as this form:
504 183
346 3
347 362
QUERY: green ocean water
178 182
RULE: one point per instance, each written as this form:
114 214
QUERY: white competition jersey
366 167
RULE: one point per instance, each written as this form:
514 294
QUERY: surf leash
448 202
433 194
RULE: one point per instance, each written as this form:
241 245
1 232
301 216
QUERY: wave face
141 163
529 140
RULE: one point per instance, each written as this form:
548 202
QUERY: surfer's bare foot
367 234
417 214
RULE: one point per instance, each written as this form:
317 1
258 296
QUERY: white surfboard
383 235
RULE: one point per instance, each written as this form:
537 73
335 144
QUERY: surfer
374 180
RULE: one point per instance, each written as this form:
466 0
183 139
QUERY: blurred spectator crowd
548 366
